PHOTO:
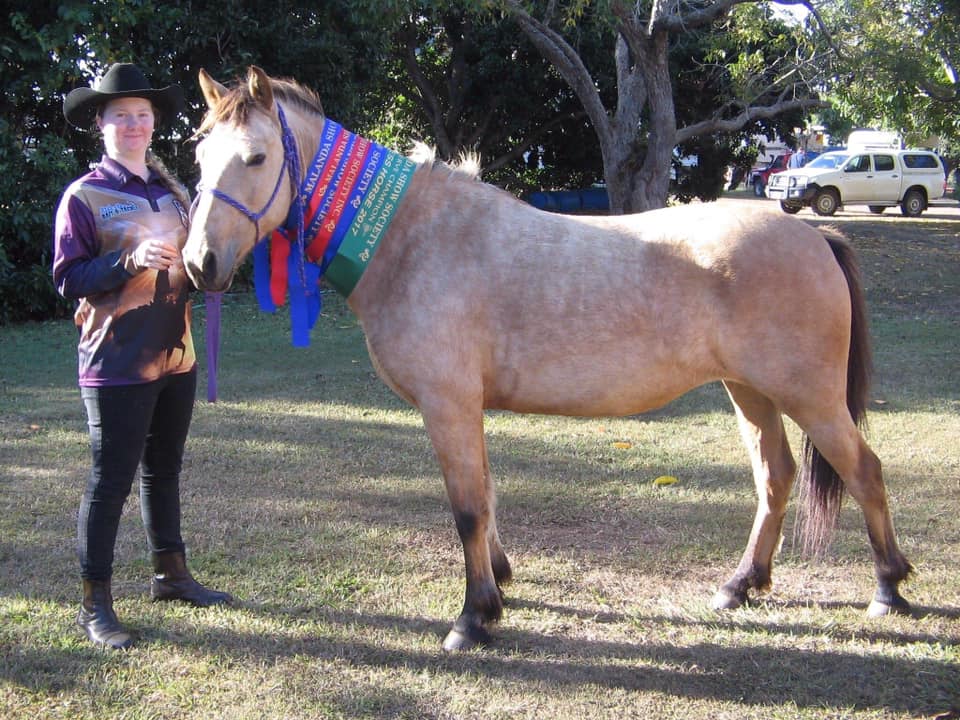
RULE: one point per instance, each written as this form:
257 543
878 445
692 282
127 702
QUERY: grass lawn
311 493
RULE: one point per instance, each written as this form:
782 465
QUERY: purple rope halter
291 163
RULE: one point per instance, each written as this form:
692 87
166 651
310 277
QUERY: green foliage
53 47
912 51
36 60
29 183
465 80
721 73
478 86
836 124
705 180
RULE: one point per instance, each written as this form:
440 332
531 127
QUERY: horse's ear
212 90
259 85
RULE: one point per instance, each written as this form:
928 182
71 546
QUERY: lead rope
212 304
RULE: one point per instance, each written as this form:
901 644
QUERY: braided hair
169 179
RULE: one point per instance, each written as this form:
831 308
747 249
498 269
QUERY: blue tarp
568 201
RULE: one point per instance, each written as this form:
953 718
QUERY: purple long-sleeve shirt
134 325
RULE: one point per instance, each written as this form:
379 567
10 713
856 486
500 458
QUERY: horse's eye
255 160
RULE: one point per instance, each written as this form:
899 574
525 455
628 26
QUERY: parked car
759 178
878 178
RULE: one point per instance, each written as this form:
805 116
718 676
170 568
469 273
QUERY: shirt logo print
120 208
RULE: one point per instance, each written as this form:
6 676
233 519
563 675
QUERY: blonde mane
467 164
235 106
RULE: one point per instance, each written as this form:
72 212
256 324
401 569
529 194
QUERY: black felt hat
121 80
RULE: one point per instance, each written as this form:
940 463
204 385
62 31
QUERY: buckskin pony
471 299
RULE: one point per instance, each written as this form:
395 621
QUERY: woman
117 239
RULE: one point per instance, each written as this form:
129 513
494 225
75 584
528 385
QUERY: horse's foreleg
845 449
457 437
762 431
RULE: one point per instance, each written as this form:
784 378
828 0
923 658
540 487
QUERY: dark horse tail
821 489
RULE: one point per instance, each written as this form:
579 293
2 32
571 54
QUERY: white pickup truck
879 178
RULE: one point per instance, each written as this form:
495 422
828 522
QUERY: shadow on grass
792 630
918 612
248 469
744 675
386 475
816 678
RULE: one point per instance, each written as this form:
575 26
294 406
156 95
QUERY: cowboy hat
121 80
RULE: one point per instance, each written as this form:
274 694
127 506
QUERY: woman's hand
153 254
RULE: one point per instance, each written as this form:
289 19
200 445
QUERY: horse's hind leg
842 445
502 572
457 437
761 427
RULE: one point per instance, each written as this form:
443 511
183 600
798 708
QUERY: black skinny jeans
133 425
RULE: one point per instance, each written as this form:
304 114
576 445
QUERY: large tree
638 134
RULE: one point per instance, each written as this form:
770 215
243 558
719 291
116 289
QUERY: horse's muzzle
204 276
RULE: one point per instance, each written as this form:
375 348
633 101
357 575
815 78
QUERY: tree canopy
897 66
472 84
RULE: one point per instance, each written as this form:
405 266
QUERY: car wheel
758 187
790 208
913 204
877 209
826 202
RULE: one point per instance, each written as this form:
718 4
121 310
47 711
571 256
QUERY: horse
471 299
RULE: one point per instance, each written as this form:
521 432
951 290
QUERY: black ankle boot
173 581
97 618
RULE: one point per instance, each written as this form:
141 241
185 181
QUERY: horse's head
244 192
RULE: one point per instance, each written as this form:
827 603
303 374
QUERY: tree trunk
652 184
637 156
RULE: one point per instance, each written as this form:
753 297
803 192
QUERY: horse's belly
591 385
601 405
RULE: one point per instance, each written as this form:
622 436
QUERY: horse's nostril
209 267
202 273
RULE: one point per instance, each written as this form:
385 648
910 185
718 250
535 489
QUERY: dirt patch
911 266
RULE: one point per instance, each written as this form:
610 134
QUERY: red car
760 178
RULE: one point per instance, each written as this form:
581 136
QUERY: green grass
312 493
